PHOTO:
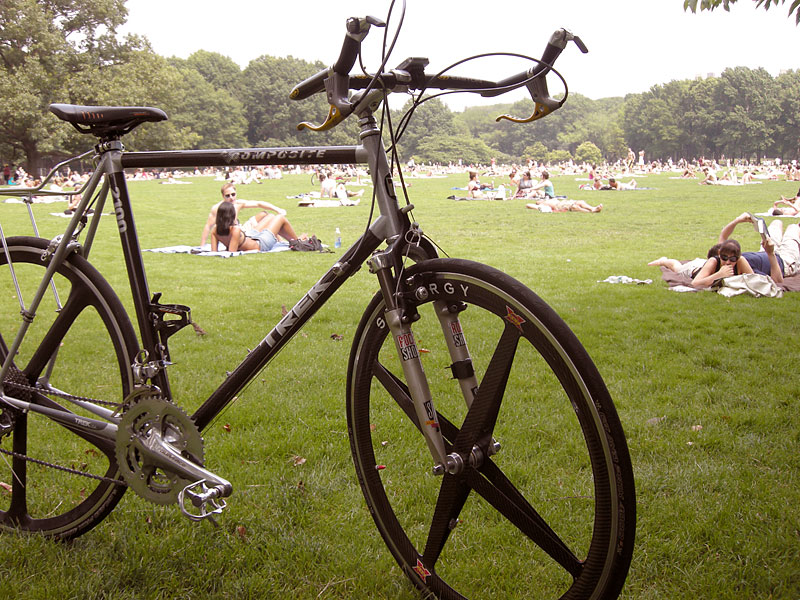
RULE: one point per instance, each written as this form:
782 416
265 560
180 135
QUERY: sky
633 44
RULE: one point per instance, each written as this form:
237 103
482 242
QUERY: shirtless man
229 195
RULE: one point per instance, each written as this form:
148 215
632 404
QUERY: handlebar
410 75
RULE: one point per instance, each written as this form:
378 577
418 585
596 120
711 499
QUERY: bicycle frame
392 225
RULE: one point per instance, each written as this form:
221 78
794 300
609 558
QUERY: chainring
146 417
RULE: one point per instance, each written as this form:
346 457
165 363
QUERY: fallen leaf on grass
298 460
197 329
241 531
226 427
284 311
336 337
696 427
656 420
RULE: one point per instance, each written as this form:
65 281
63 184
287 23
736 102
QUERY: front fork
399 320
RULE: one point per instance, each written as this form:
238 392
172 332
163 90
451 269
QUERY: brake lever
543 104
337 83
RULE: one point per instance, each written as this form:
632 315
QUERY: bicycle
119 427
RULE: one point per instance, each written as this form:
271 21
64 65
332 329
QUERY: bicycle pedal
201 501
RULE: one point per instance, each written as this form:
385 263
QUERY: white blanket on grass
205 250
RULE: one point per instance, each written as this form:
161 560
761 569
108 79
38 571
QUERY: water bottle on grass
337 243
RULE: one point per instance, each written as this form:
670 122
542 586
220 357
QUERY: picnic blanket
682 283
205 250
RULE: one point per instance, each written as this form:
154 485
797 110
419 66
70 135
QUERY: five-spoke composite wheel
551 514
59 480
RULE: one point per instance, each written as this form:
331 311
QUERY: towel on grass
205 250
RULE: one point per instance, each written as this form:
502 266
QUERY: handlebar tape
310 86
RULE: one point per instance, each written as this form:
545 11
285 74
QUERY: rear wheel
81 345
553 510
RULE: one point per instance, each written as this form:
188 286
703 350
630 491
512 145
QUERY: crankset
153 436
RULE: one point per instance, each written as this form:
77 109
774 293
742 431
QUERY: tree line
62 51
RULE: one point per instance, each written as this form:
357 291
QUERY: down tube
290 324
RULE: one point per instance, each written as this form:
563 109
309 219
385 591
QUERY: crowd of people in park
778 257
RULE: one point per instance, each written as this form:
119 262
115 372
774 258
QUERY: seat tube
134 262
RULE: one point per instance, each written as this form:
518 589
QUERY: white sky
633 44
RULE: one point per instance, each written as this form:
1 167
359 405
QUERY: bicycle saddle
106 121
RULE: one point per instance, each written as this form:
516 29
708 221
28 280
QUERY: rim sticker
514 318
422 571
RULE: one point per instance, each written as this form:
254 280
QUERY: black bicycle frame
307 306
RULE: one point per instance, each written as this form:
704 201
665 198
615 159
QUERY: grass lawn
718 505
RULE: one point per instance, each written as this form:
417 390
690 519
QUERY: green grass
718 510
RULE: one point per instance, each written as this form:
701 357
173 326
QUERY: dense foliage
68 51
794 5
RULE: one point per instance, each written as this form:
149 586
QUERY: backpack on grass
312 244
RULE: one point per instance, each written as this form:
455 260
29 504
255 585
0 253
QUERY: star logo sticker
514 318
422 571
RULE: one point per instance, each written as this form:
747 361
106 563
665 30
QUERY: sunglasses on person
230 195
726 258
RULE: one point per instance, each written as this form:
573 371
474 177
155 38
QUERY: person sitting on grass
228 192
475 188
545 188
262 236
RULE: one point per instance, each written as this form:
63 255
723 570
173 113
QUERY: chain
52 392
20 386
61 468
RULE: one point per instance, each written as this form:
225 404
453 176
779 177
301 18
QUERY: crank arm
164 455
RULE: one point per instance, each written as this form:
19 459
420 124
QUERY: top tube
300 155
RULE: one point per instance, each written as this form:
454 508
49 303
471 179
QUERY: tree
444 149
537 152
272 117
431 119
786 127
211 112
751 103
218 70
46 47
589 153
794 7
557 156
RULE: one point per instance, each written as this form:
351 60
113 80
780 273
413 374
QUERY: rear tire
94 345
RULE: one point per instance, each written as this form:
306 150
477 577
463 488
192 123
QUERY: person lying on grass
778 257
555 205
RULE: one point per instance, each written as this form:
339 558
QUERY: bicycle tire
556 414
96 347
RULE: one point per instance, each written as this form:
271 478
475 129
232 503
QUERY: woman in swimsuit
261 236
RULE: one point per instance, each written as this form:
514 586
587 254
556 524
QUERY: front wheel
552 513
